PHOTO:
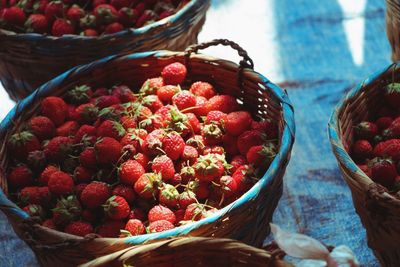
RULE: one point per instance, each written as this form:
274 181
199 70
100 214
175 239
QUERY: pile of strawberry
376 148
83 17
113 162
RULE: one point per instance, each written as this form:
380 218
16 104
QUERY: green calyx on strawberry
80 94
209 167
212 131
169 196
66 210
88 21
116 208
35 210
392 94
187 173
366 130
88 113
22 143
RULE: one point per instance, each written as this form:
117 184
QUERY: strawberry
108 150
35 195
79 189
147 185
186 198
365 169
88 157
127 16
134 138
13 16
79 94
365 130
89 21
49 223
62 27
21 144
106 101
209 167
60 183
262 156
236 162
230 144
194 123
87 113
164 166
224 103
83 175
362 149
79 228
40 6
212 134
36 23
389 148
173 145
135 227
184 100
55 109
113 28
85 133
195 212
165 14
68 128
159 212
35 210
111 129
174 73
393 131
187 173
105 13
244 178
383 122
160 226
189 154
46 173
392 94
58 148
237 122
151 123
201 189
36 160
150 86
89 33
75 13
124 191
169 196
116 208
203 89
197 142
110 228
89 216
214 150
228 185
152 144
95 194
201 106
217 117
383 171
20 176
166 92
138 214
152 102
143 160
130 171
146 17
123 93
248 139
66 210
267 127
42 127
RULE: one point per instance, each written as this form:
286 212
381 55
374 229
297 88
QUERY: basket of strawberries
112 154
41 39
364 132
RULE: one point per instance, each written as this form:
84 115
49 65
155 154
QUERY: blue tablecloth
317 50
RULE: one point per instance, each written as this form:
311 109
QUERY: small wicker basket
393 27
28 60
192 251
247 219
379 211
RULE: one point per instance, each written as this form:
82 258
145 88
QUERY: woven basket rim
287 140
336 142
193 4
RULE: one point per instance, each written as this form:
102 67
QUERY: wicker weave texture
245 219
29 60
379 211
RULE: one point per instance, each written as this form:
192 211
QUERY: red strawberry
108 150
166 14
35 195
88 157
87 113
127 16
135 227
160 226
75 13
89 32
201 106
186 198
362 149
114 27
173 145
105 13
215 116
68 128
130 171
20 176
89 21
261 156
248 139
230 144
37 23
169 196
107 101
152 102
147 185
79 228
79 189
184 100
365 169
224 103
212 134
214 150
383 122
49 223
209 167
383 171
42 127
138 214
13 16
146 17
236 162
21 144
195 212
60 183
116 208
194 123
111 129
244 178
174 73
45 175
237 122
228 185
125 191
80 94
165 93
66 210
124 93
159 212
197 142
150 86
203 89
85 132
151 123
40 6
55 109
58 148
366 130
389 148
83 175
95 194
152 144
201 189
164 166
392 94
110 228
62 27
35 210
143 160
134 138
187 173
267 127
393 131
189 154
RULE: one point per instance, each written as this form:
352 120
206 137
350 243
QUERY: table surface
317 50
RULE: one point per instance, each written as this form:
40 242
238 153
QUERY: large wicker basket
192 251
379 211
29 60
393 27
246 219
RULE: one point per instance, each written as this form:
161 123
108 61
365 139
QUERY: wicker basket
379 211
192 251
246 219
28 60
393 27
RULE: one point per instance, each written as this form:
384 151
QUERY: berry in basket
88 18
119 163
